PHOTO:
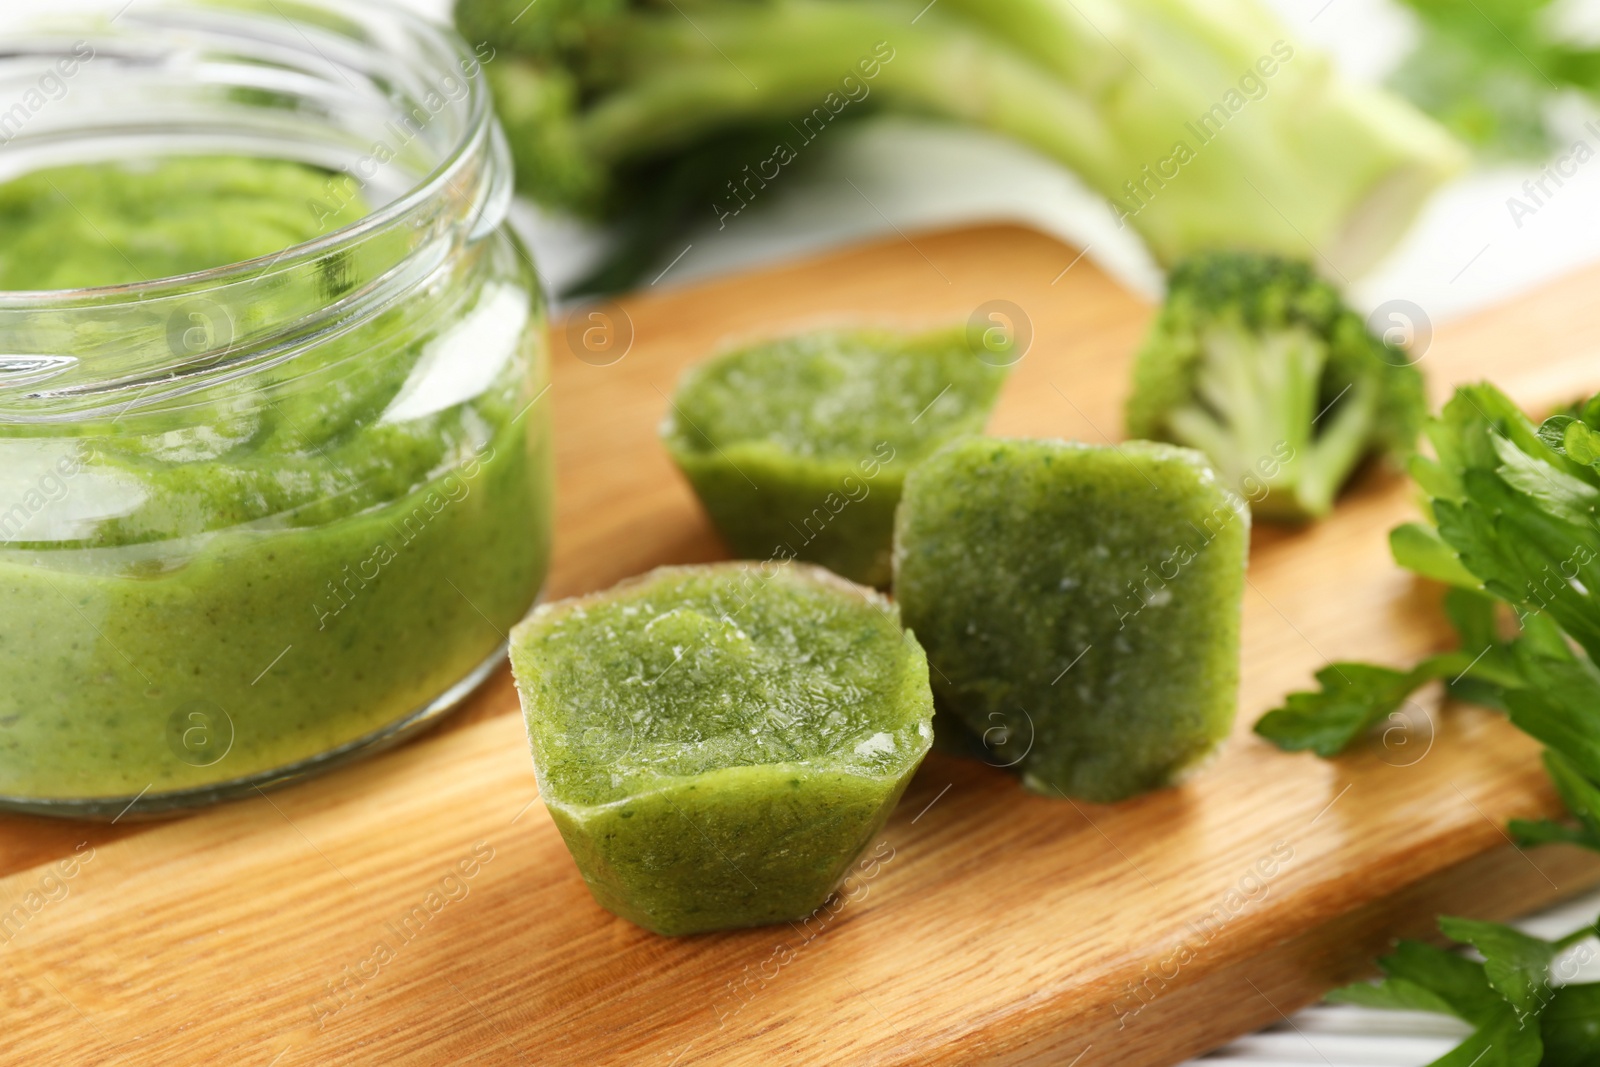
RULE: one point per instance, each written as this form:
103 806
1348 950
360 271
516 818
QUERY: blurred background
1466 250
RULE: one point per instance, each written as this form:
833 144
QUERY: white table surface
1465 252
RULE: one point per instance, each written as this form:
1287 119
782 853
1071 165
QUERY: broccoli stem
740 65
1333 454
1141 98
1257 416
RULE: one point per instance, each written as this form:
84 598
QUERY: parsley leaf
1521 1019
1417 547
1393 994
1499 1042
1561 707
1353 698
1570 1027
1488 70
1516 965
1457 981
1421 977
1582 798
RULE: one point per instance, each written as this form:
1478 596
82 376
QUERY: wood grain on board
420 907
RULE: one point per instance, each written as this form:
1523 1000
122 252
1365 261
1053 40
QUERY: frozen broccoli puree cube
798 447
717 744
1079 606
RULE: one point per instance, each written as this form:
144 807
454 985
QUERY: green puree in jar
112 224
798 447
1080 606
718 743
227 584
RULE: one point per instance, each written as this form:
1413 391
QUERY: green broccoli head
1257 362
546 30
538 106
538 77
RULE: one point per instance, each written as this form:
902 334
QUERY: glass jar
258 519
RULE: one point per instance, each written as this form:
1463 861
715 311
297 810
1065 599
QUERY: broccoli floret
604 99
1257 362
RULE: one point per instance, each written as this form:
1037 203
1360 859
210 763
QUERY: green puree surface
717 744
115 223
281 564
1080 606
798 447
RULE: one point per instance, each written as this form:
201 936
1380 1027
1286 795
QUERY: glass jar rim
402 111
477 127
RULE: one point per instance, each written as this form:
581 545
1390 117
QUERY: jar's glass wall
261 517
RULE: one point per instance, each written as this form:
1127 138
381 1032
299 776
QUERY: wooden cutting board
990 926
